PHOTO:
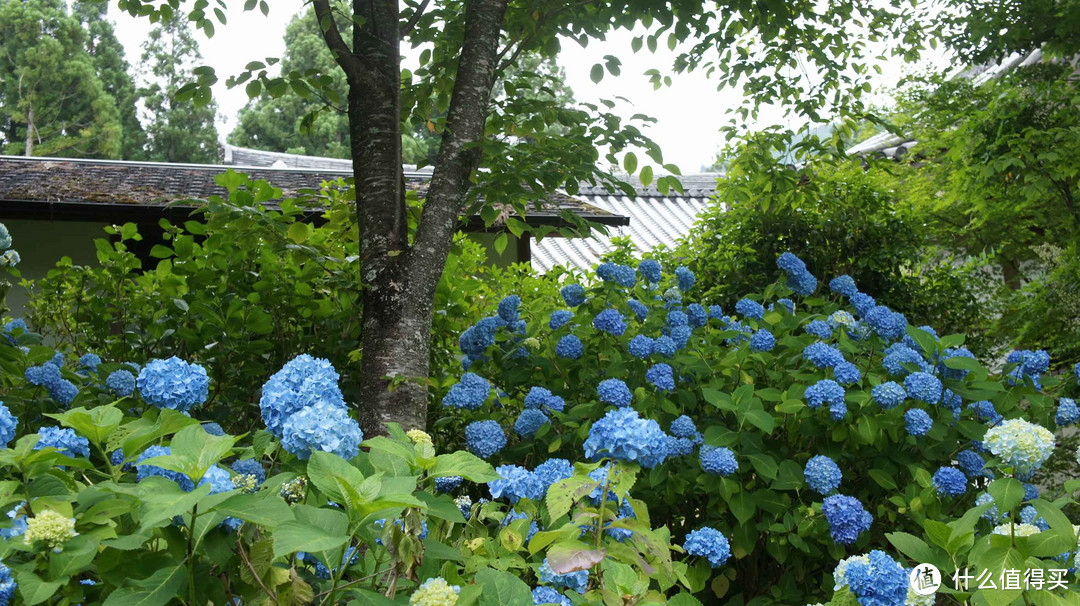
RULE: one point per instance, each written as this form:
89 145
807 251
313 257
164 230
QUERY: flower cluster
847 518
622 434
8 424
875 579
121 382
799 279
469 392
65 440
718 460
303 406
48 376
50 527
435 592
822 474
615 391
577 581
709 543
549 595
1023 445
174 384
950 482
484 438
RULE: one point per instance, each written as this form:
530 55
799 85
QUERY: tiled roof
112 190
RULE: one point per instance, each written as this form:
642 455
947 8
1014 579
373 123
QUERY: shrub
752 421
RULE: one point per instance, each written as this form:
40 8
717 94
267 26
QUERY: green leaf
156 590
761 419
923 339
95 424
883 479
264 509
742 505
1007 493
646 176
162 499
502 588
911 546
562 495
441 506
500 243
77 555
299 232
336 478
597 73
464 464
33 589
291 537
764 464
630 162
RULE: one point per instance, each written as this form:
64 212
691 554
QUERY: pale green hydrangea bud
51 527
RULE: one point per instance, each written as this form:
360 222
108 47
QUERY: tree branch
411 23
332 35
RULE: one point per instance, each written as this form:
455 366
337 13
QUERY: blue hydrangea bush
806 444
116 492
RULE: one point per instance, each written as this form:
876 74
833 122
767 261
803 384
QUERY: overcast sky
689 113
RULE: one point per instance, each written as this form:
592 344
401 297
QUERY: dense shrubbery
893 417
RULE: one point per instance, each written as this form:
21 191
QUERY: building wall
510 254
42 243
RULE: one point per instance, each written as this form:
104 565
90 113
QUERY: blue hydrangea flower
984 411
250 467
661 377
640 311
569 347
213 429
843 285
300 383
820 329
715 312
573 294
863 303
615 391
469 392
684 278
683 427
529 422
47 375
448 483
749 308
559 317
515 483
846 517
121 382
924 387
874 579
678 447
888 324
665 346
992 515
789 263
762 340
1076 371
622 434
540 397
325 426
950 482
971 463
610 321
821 355
847 373
825 391
143 471
64 440
650 270
7 584
90 362
484 438
743 332
889 395
803 283
478 337
710 544
218 479
677 317
1029 515
508 308
64 392
822 474
718 460
680 336
174 384
917 422
18 519
547 595
552 471
578 581
696 315
897 355
1067 412
1031 363
641 347
787 304
8 424
1031 492
625 276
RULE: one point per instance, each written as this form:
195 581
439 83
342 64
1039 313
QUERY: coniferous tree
52 102
177 131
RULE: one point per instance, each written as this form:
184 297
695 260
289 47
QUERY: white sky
689 113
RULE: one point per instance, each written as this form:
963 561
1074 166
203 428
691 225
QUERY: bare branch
411 23
332 35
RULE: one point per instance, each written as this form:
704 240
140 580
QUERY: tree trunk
29 150
399 280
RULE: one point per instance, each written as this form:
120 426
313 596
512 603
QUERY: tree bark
29 150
